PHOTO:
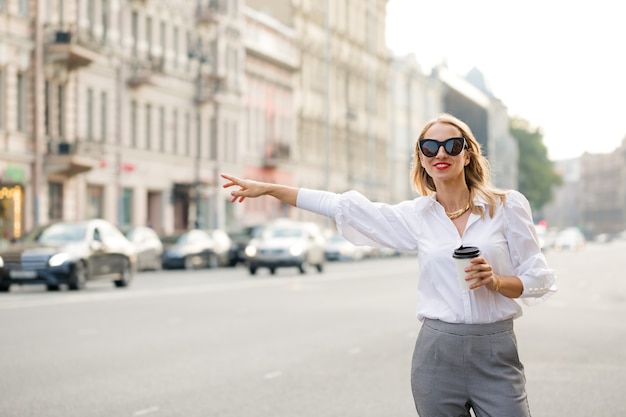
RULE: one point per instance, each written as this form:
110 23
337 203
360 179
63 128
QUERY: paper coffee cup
462 257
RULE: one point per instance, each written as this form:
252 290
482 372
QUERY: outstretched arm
252 189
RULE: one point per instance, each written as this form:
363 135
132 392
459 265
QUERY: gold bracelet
498 284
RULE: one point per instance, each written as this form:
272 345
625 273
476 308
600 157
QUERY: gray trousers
458 367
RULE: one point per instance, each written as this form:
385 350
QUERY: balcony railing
72 48
69 158
142 72
275 154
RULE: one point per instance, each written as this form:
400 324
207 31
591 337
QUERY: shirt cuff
320 202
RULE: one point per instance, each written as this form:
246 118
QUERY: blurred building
122 110
414 99
602 192
270 114
17 47
470 98
129 110
342 93
565 208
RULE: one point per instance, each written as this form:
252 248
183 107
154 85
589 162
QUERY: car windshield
65 232
281 232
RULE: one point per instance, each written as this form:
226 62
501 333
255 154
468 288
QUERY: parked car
340 249
240 239
569 239
148 247
190 250
69 253
222 244
287 244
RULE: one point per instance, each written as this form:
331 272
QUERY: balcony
69 49
275 154
63 158
210 87
208 11
142 72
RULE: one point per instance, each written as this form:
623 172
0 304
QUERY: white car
340 249
286 243
569 239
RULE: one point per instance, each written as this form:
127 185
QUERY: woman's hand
247 188
250 188
509 286
483 271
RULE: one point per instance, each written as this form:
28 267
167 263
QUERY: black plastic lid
464 252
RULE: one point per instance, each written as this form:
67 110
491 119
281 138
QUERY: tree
537 177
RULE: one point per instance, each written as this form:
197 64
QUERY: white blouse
508 241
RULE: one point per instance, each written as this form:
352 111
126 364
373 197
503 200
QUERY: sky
559 65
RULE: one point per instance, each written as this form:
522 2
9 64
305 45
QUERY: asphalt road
219 343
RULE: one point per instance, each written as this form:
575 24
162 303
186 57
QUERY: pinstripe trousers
461 367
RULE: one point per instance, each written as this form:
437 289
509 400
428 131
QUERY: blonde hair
477 171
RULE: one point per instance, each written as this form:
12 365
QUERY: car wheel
78 277
252 270
126 275
213 261
188 265
5 287
52 287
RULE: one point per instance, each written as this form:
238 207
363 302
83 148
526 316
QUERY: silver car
287 243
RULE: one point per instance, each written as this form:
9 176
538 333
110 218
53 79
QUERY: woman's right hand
247 188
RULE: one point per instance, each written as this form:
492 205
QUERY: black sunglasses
453 146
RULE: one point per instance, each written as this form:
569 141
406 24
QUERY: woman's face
442 166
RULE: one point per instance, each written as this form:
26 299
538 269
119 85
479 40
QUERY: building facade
17 47
120 110
129 110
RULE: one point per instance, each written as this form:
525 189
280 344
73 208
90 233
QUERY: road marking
146 411
272 375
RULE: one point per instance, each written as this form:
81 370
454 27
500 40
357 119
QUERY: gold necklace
459 212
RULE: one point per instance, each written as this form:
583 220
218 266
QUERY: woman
465 357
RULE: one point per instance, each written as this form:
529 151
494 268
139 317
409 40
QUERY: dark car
190 250
148 247
240 240
69 253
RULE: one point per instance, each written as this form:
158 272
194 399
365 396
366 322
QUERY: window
133 124
105 20
175 144
149 35
162 128
176 51
148 126
187 133
89 114
163 37
127 208
55 201
46 111
103 116
213 151
199 136
23 7
60 116
95 203
135 31
21 103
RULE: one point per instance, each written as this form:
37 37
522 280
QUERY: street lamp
197 53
